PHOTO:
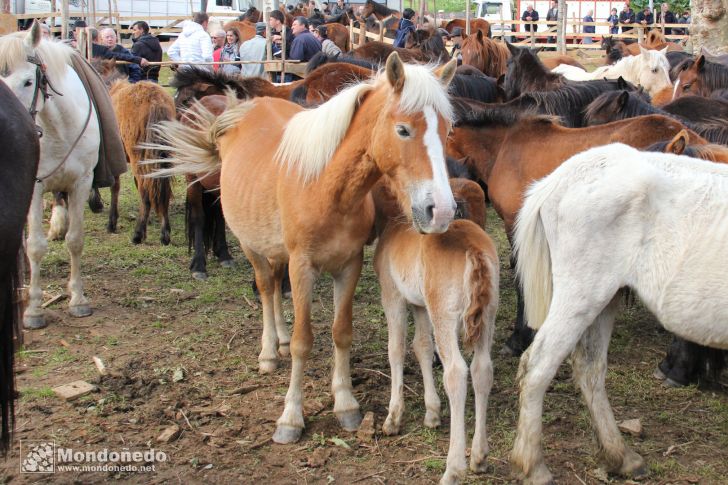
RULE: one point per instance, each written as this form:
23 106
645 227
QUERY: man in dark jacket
405 26
645 18
669 17
626 16
304 45
530 15
147 47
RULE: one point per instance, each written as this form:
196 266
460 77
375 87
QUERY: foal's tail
191 147
481 277
533 257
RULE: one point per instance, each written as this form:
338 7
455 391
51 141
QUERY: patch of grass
60 355
434 464
36 393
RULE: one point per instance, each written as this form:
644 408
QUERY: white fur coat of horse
649 69
69 150
609 218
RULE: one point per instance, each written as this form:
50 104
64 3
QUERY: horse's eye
686 87
402 131
28 83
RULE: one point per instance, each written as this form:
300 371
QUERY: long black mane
476 114
320 58
525 72
478 87
244 87
713 74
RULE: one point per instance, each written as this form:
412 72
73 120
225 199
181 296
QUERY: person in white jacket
194 43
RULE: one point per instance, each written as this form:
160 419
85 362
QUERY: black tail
10 315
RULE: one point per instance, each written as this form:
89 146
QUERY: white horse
650 69
39 73
608 218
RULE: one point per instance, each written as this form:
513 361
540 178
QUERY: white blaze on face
442 196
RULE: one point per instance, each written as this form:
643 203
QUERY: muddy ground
184 353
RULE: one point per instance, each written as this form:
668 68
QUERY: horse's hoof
390 428
164 240
432 419
479 465
659 375
80 311
349 420
287 295
267 366
96 205
228 263
668 382
452 477
199 275
284 350
137 239
111 227
34 322
286 434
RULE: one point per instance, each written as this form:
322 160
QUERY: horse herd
358 152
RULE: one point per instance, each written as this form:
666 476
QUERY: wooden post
351 33
533 36
502 23
640 34
89 44
561 27
64 19
92 12
467 17
381 30
283 53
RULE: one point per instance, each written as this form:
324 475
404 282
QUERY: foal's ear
512 49
700 62
621 83
447 72
34 35
395 71
678 144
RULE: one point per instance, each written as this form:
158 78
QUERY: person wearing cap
254 50
218 42
456 37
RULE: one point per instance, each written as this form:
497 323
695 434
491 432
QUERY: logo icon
37 456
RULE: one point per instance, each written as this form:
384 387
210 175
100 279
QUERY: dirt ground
184 353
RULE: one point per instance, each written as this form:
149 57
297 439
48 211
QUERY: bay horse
485 54
483 131
138 108
309 204
571 287
339 35
18 169
700 77
39 73
389 17
451 282
475 25
326 81
431 50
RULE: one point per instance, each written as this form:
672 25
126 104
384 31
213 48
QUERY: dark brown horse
388 17
487 55
339 35
18 169
536 146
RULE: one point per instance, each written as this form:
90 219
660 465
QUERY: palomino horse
649 69
138 108
700 77
485 54
309 202
18 168
483 131
39 73
451 282
675 259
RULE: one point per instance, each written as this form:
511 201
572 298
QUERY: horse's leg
284 339
268 358
346 407
94 201
290 424
219 241
145 205
78 306
195 221
114 207
590 371
424 351
481 371
395 310
554 341
37 247
59 216
522 335
455 380
164 215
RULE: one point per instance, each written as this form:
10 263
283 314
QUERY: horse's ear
395 71
678 144
447 72
512 49
34 35
622 100
621 83
700 62
501 81
536 50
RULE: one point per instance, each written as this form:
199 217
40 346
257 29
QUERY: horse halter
42 83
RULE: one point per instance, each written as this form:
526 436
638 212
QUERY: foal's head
408 140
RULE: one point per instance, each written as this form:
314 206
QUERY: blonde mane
312 136
14 52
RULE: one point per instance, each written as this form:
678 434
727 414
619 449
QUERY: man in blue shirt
304 45
405 26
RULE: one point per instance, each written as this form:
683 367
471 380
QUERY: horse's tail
481 278
191 147
9 318
159 189
533 258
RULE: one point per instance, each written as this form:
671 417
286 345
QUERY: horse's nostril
429 210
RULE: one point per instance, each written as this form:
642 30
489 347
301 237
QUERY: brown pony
324 82
553 61
487 55
475 24
138 107
295 187
339 35
451 282
246 29
388 17
431 50
655 40
700 77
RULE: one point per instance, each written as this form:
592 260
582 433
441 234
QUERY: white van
498 13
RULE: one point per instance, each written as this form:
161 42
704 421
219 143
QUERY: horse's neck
484 151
